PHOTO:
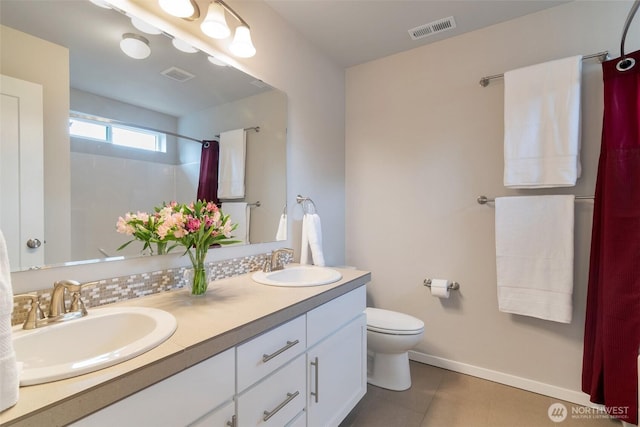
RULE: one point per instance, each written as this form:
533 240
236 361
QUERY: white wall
423 140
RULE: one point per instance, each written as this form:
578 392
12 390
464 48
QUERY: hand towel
232 164
542 125
8 366
312 240
281 234
240 214
534 256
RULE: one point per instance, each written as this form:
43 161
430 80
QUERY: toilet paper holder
453 286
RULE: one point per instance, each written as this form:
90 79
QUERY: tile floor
442 398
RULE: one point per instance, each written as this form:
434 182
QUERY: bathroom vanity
244 354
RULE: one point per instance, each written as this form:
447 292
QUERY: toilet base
390 371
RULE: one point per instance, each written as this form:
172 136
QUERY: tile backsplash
116 289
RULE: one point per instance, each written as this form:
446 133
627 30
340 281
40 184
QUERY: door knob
34 243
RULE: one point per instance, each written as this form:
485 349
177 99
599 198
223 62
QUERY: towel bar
483 200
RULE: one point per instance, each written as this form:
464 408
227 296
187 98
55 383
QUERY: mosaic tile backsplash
123 288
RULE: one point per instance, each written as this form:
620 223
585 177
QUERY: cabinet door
175 401
337 374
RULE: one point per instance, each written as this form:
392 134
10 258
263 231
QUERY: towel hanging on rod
484 82
483 200
255 128
302 200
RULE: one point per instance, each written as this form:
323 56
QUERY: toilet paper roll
440 288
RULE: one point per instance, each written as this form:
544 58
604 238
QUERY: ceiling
352 32
97 65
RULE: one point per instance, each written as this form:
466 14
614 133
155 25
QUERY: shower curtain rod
483 200
484 82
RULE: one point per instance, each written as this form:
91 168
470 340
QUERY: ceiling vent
177 74
432 28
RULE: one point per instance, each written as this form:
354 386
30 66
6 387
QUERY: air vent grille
432 28
177 74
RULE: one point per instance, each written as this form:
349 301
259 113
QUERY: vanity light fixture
215 24
241 45
186 9
144 27
135 46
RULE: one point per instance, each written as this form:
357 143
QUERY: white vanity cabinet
336 359
306 372
203 391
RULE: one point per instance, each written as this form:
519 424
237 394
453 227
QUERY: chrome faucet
57 310
274 263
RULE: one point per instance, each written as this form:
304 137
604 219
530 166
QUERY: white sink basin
105 337
298 275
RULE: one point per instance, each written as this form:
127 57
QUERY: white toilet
390 335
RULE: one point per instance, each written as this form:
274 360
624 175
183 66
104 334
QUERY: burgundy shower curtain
208 181
612 326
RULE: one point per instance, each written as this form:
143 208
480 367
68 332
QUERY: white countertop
232 311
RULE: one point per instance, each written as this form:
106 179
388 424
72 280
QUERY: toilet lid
387 321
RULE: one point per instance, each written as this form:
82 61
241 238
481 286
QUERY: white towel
311 240
534 256
240 214
542 125
281 234
8 365
231 164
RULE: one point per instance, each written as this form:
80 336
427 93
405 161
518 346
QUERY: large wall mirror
72 49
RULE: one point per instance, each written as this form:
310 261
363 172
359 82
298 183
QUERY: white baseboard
560 393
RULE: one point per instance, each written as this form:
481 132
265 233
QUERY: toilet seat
392 322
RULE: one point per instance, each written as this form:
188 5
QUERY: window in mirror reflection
124 136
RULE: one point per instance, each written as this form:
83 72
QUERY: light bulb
241 45
215 24
135 46
217 61
179 8
183 46
144 27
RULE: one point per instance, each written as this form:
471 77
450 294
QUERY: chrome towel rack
484 82
483 200
304 201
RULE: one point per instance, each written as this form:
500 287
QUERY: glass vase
198 282
197 279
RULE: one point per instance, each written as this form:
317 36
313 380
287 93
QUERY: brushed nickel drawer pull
290 397
267 357
316 364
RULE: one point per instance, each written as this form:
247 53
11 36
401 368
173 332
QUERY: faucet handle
35 312
77 304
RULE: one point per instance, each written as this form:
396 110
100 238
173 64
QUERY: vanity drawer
327 318
279 398
264 354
